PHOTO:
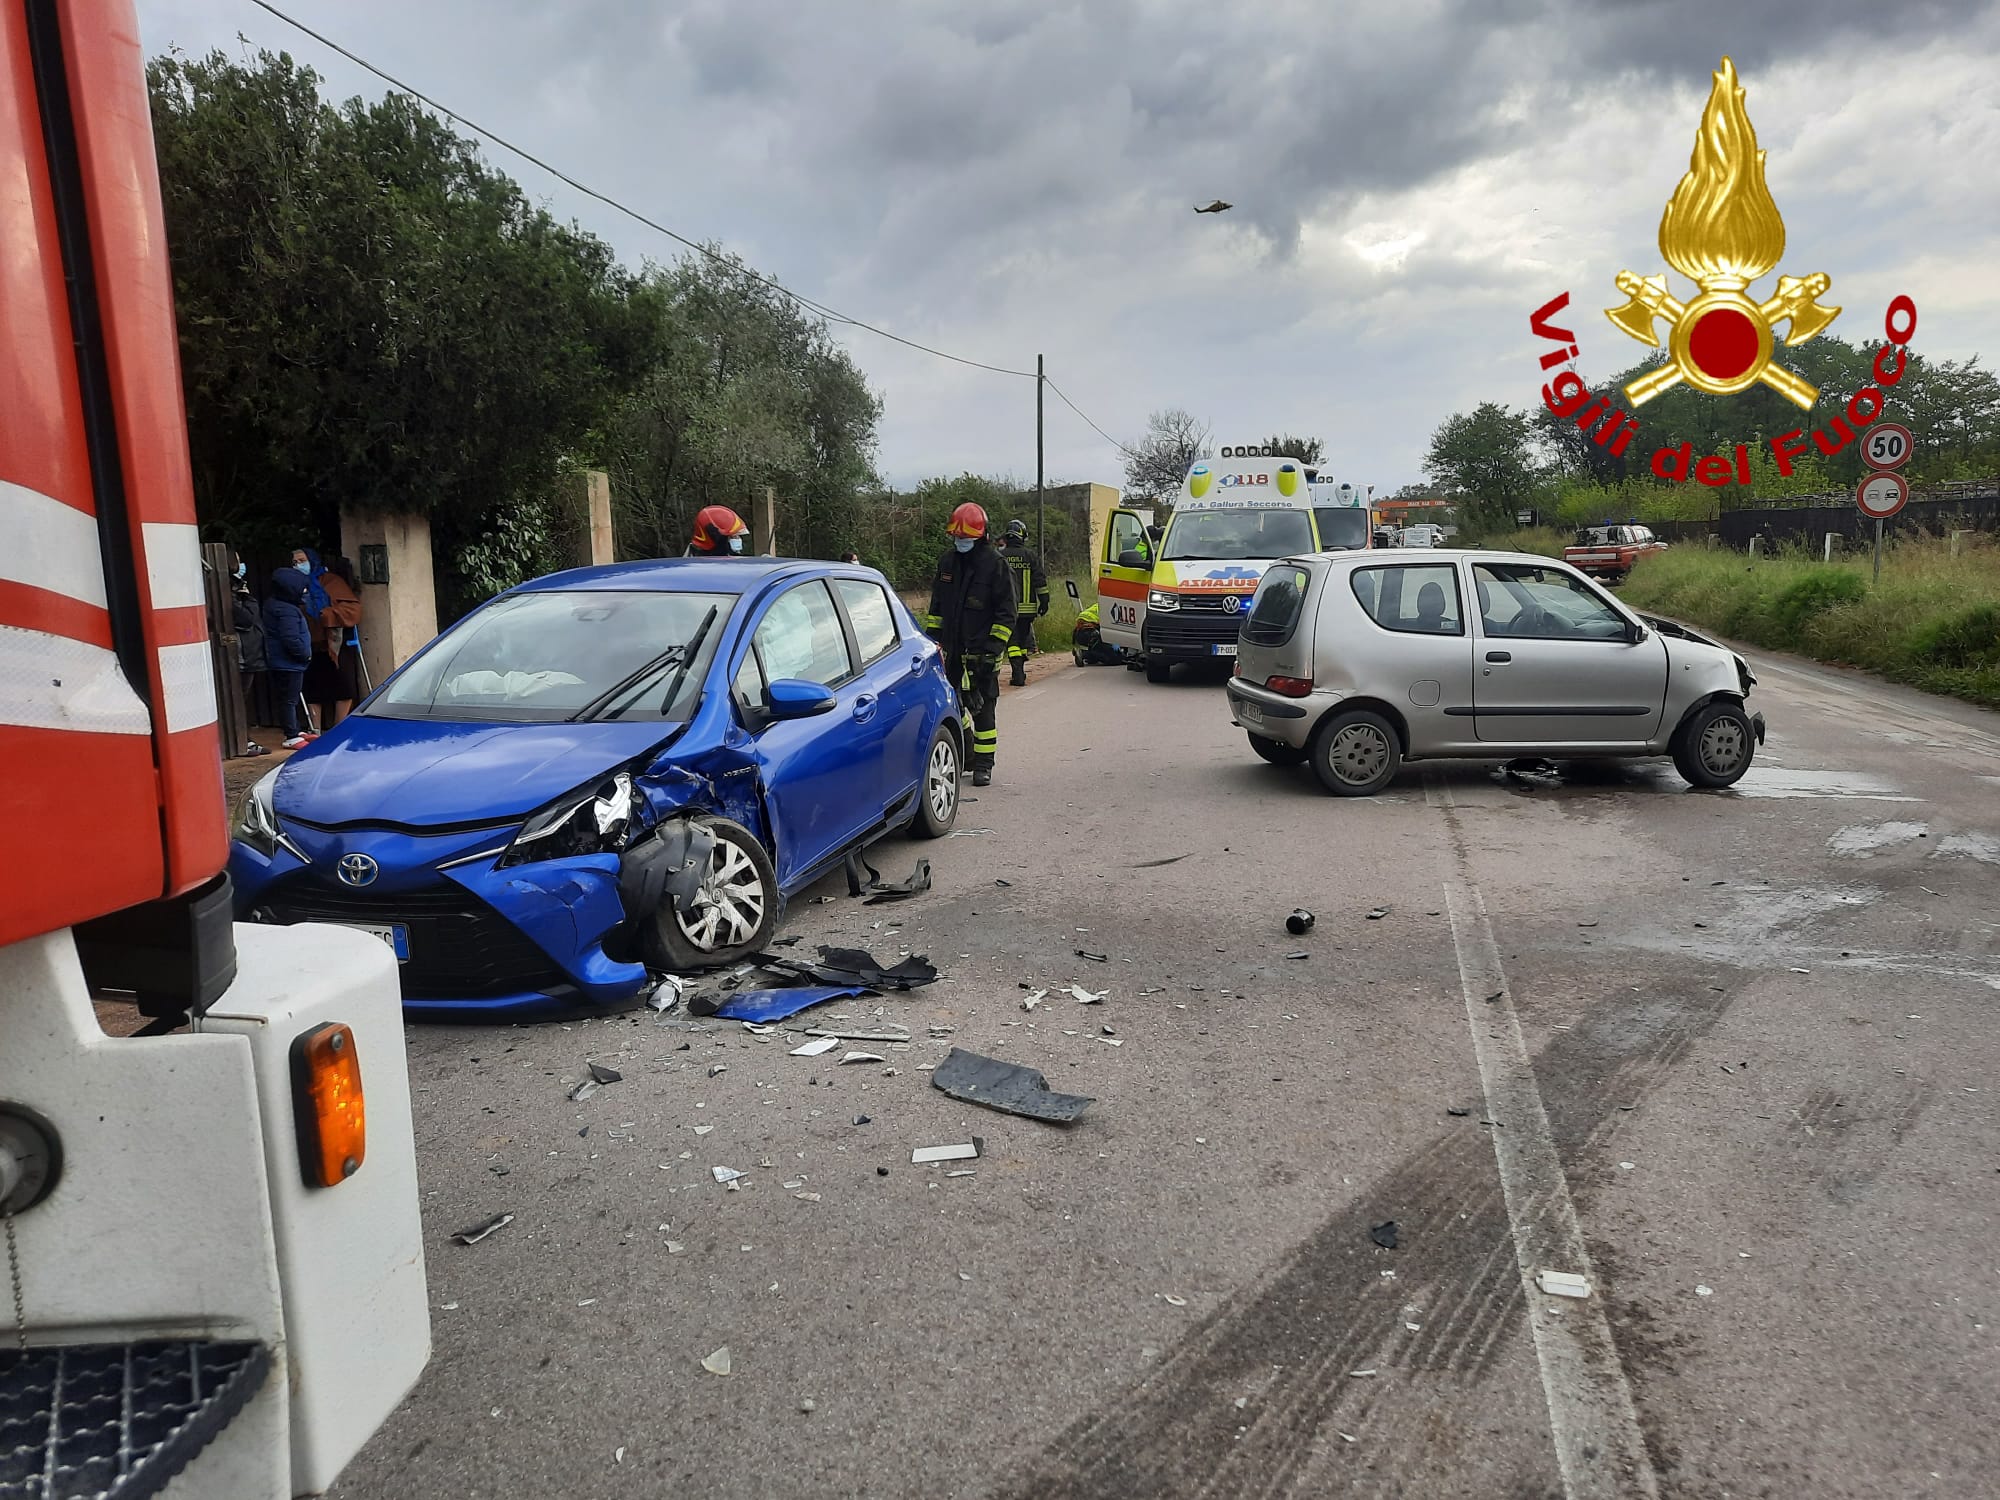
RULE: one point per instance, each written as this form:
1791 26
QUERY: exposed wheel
1715 745
1277 752
1356 754
937 798
730 917
1159 671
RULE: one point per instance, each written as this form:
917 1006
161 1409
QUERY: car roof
688 575
1430 557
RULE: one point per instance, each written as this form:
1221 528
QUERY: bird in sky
1218 206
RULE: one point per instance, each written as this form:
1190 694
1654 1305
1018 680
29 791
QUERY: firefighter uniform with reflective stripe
972 618
1031 600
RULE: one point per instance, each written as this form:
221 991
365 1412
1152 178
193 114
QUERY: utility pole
1041 500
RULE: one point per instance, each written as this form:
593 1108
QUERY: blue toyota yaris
607 769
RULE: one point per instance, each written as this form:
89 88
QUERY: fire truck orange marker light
328 1105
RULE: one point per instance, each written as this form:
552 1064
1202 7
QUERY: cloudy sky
1411 178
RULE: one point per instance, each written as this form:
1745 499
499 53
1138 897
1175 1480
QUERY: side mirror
795 698
1634 632
1130 559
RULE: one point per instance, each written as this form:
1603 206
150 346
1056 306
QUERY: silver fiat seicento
1360 661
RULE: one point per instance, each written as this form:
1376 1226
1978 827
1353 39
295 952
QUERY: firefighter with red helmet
972 618
718 532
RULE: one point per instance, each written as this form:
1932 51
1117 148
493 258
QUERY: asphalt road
1731 1056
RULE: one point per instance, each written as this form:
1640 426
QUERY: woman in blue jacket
288 649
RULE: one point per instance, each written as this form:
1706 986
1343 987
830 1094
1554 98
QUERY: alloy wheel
941 780
728 909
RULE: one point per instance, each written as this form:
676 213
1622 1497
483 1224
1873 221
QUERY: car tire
1159 671
939 788
1356 754
1277 752
733 916
1715 745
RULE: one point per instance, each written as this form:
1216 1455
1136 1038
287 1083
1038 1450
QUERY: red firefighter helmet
714 525
967 520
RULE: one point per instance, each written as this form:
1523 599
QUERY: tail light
328 1105
1290 687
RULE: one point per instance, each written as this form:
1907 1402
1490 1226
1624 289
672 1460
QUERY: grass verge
1933 621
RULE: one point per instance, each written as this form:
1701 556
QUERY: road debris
777 1005
1083 995
583 1091
1453 1109
860 1057
1004 1086
1359 1374
807 1197
479 1232
1004 884
1379 913
1704 1291
854 966
1034 999
1154 864
1562 1283
1384 1234
864 1119
1096 958
1300 922
703 1129
719 1363
849 1034
726 1174
965 1151
1301 953
967 833
819 1044
618 1455
667 993
717 1069
1534 770
808 1406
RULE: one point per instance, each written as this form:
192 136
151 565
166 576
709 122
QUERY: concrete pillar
591 509
392 554
1832 541
1756 547
1958 542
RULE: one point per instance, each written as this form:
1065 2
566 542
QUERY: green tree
370 315
1484 458
1307 450
1157 464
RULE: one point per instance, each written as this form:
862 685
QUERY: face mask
963 543
305 568
241 569
736 545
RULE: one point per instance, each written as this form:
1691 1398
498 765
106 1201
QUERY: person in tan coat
333 681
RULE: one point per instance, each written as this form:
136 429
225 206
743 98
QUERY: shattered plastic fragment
1173 1301
1034 999
1378 913
848 1034
1384 1234
966 1151
719 1362
1300 954
667 994
583 1091
807 1197
1084 995
479 1232
815 1047
1562 1283
725 1174
1004 1086
703 1129
777 1005
860 1057
603 1074
718 1068
1096 958
1452 1109
1704 1291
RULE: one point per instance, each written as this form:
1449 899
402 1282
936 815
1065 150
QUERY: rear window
1341 527
874 624
1417 600
1274 613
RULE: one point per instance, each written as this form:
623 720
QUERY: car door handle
1499 656
864 708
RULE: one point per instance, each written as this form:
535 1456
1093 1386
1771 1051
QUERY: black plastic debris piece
1003 884
1587 922
1496 995
854 966
1384 1234
1299 923
881 1171
1533 770
684 1046
1096 958
583 1134
786 942
606 1075
863 1120
1154 864
1301 953
863 879
1005 1086
1378 913
1453 1109
479 1232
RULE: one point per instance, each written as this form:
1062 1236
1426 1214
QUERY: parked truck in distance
1609 552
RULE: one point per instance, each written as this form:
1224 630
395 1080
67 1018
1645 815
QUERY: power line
633 213
1087 422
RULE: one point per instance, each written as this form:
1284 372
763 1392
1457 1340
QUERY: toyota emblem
357 869
1230 604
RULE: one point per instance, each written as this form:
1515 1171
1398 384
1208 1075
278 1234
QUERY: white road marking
1599 1450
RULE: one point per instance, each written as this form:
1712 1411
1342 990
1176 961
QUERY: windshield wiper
687 660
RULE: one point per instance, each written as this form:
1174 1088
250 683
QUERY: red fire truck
214 1261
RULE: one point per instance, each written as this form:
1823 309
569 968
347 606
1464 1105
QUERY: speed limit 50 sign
1887 445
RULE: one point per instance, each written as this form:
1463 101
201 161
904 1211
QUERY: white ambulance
1182 597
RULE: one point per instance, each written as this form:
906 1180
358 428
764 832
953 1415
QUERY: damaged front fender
667 866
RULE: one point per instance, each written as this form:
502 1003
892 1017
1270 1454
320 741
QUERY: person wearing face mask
718 532
288 648
972 618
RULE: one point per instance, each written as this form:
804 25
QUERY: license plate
396 935
1249 712
1228 650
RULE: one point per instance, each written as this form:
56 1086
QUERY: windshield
1341 527
545 657
1219 535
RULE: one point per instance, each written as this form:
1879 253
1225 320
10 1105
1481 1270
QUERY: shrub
1968 637
1813 592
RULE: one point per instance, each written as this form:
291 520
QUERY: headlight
1162 599
597 821
1743 677
256 824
